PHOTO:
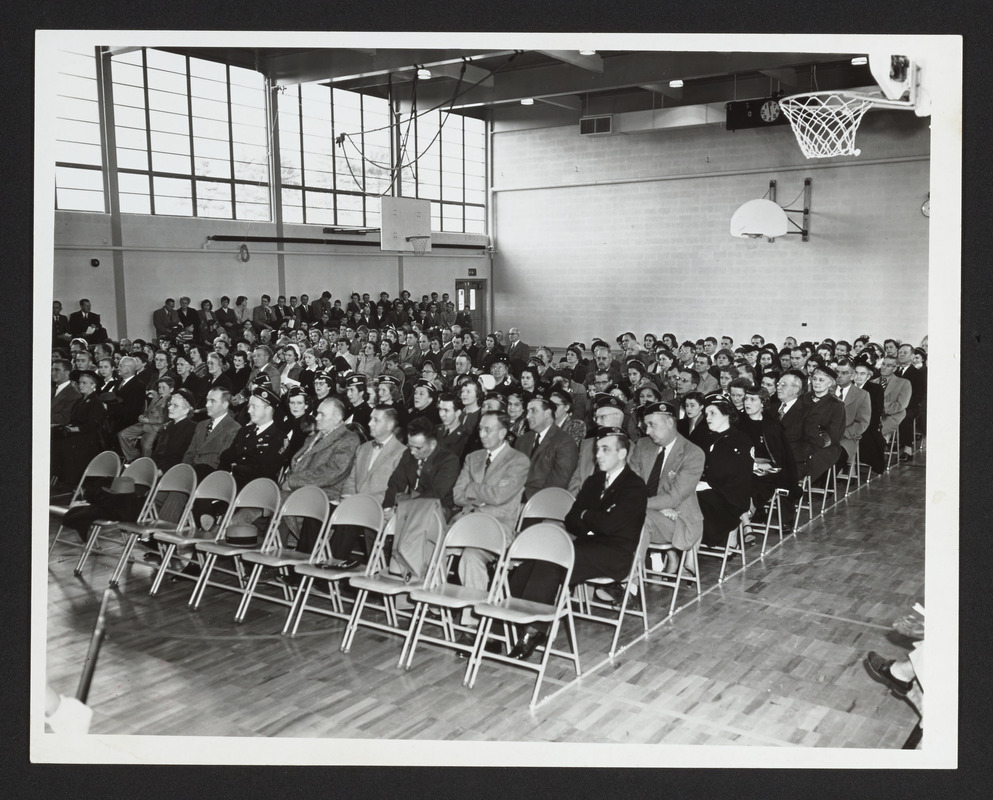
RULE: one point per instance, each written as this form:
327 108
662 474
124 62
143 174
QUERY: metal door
470 295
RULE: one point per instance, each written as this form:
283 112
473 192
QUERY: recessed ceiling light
860 61
423 74
587 52
676 84
527 101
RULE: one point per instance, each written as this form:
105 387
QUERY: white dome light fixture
765 217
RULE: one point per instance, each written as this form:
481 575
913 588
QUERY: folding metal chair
377 580
542 542
308 502
776 507
893 450
182 479
589 605
103 465
852 470
145 474
261 494
724 553
218 486
480 531
673 580
552 503
360 510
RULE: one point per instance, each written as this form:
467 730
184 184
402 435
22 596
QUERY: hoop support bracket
802 230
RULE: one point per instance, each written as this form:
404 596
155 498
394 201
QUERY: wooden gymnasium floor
771 657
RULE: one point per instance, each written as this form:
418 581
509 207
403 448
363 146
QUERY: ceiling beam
472 74
570 103
663 89
592 63
787 77
335 65
620 72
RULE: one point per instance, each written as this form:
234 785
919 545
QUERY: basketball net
825 123
419 243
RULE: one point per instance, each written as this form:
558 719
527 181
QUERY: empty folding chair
724 553
359 510
379 581
181 479
633 586
543 542
145 475
218 486
659 576
306 502
103 465
261 494
776 508
475 530
548 504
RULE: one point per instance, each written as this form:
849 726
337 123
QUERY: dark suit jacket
132 403
227 319
437 479
62 404
78 327
553 463
253 455
455 441
828 414
163 321
172 442
60 327
607 524
206 450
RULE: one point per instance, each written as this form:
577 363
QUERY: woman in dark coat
775 467
693 425
74 445
217 378
187 379
725 488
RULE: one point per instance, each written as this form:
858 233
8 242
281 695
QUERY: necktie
417 482
782 411
268 313
210 427
534 446
656 473
841 393
377 445
883 383
489 460
54 387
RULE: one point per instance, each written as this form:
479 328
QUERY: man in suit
166 319
60 326
897 392
606 520
708 383
608 412
304 312
918 392
324 460
283 312
262 315
792 414
322 305
671 467
492 480
212 436
518 353
552 453
374 463
858 408
86 325
453 432
226 317
256 449
64 394
871 446
128 398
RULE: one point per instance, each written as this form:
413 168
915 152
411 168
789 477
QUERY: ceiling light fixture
587 52
860 61
676 84
423 74
527 101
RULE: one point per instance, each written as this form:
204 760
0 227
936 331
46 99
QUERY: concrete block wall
577 259
151 276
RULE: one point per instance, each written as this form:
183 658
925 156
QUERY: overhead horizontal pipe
310 240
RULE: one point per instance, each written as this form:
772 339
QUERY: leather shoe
611 593
350 563
879 668
527 644
905 457
467 639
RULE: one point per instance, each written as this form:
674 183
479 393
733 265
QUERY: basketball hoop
419 243
825 123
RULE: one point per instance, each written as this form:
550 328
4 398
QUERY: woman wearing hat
293 418
775 467
217 378
74 445
175 437
488 353
724 491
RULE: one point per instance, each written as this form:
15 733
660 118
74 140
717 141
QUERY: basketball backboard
402 219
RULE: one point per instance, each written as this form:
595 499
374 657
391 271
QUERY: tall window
191 140
191 137
79 161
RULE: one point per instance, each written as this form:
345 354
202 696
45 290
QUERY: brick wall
654 253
